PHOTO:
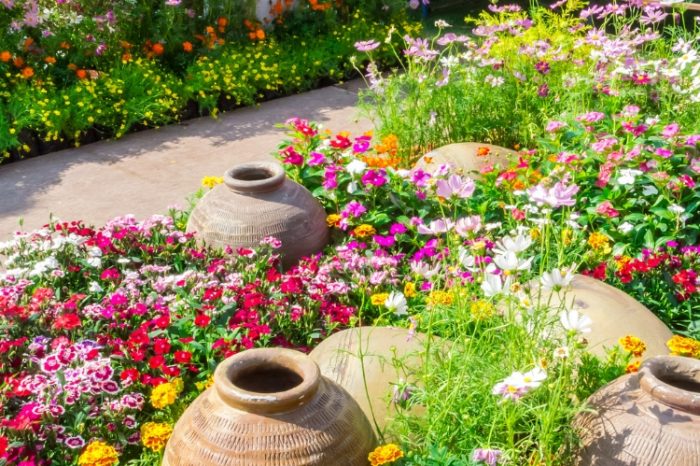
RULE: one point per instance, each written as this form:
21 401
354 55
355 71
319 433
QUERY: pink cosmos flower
366 45
554 125
455 186
606 208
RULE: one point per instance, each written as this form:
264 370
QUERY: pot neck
267 380
255 177
673 381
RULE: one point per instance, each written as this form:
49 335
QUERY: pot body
469 157
647 419
242 211
240 421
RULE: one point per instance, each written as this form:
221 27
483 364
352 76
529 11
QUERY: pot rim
678 368
267 402
255 177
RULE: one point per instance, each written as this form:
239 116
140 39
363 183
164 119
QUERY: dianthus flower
155 435
633 344
98 454
684 346
385 454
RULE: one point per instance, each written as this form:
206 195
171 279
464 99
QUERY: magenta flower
671 130
542 67
374 177
361 144
591 117
353 209
455 186
292 157
316 158
366 45
398 228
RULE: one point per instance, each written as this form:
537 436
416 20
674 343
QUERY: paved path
144 173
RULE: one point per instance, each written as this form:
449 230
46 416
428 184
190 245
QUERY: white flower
534 378
94 287
575 321
442 24
676 209
94 262
423 269
396 302
561 353
554 280
515 244
356 167
509 261
493 285
626 227
649 190
627 176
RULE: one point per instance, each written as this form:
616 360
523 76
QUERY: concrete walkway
144 173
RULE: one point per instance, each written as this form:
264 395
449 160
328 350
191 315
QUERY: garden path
144 173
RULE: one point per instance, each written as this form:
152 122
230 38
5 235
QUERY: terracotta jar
258 200
382 357
647 419
267 407
614 313
470 157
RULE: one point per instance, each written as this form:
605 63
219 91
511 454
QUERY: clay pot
467 157
269 407
258 200
614 313
647 419
342 356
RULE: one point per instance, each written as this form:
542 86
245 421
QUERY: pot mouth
267 380
673 381
255 177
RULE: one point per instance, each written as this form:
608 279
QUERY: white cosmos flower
561 353
515 244
575 321
396 302
509 261
555 280
423 269
493 285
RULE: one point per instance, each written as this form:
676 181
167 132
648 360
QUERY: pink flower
366 45
671 130
455 186
554 125
606 208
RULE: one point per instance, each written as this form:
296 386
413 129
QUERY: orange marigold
684 346
27 72
5 56
385 454
50 60
81 74
632 367
633 344
187 46
158 48
18 62
483 151
260 34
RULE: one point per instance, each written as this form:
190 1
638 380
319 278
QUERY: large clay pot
647 419
270 407
258 200
370 363
470 157
614 313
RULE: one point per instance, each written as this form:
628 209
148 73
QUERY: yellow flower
440 297
378 299
332 220
482 310
164 395
155 435
364 231
98 453
633 367
684 346
211 181
566 235
535 233
201 386
409 289
385 454
599 242
633 344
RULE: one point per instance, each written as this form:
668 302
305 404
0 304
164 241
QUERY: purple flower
419 48
543 90
542 67
591 117
398 228
316 158
374 177
75 442
384 241
488 456
455 186
663 152
366 45
100 49
419 177
354 209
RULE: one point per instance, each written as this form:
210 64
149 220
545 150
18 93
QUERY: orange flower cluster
126 56
385 454
633 344
255 30
153 50
316 6
210 39
684 346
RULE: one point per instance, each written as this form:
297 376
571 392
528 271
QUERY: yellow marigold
633 367
409 289
164 395
535 233
201 386
684 346
385 454
378 299
438 297
633 344
482 310
364 231
98 453
155 435
622 261
332 220
566 235
599 242
211 181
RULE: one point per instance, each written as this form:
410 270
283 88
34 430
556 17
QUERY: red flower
3 445
161 346
154 362
67 322
110 274
202 320
183 357
171 371
131 375
162 322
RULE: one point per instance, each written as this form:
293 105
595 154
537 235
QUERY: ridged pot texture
271 407
255 201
